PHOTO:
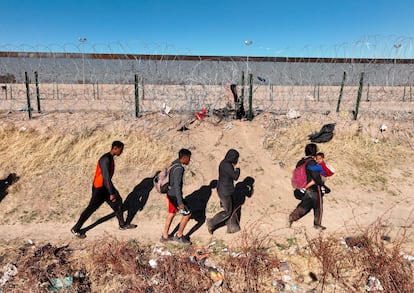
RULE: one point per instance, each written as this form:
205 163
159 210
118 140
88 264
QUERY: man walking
103 190
175 198
312 198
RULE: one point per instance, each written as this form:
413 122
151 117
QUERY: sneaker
128 226
170 238
182 240
319 227
210 230
78 234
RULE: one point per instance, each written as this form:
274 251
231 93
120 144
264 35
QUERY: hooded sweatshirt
227 173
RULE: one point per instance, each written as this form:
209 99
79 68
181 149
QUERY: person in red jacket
103 190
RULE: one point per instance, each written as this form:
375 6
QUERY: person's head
320 157
311 149
184 155
232 156
117 148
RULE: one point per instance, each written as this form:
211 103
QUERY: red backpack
299 177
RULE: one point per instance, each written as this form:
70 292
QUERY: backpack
299 177
162 179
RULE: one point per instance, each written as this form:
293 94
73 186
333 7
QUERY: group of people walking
231 196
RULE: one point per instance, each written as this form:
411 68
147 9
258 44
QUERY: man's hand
112 198
181 206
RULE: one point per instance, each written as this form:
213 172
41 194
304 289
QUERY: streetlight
83 40
396 46
248 43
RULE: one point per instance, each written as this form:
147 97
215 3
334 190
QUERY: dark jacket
176 181
311 175
104 171
228 174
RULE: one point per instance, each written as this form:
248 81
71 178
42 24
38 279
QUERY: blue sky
319 28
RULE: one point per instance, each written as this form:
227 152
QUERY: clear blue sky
319 28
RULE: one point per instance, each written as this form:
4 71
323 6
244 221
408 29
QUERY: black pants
311 200
99 196
220 218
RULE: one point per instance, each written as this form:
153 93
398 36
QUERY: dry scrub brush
349 263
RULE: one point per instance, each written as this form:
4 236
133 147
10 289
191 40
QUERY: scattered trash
201 114
79 276
152 263
293 114
161 251
293 287
282 164
8 271
407 257
42 249
324 135
228 126
373 285
383 127
279 284
215 274
57 284
165 110
261 79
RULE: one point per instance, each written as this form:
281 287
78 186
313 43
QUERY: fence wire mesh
75 78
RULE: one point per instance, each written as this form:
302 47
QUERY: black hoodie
227 173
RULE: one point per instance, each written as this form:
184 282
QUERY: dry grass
55 162
359 152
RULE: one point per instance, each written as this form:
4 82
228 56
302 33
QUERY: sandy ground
346 209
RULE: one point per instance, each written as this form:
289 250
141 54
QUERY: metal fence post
361 83
37 92
29 109
250 116
136 97
242 89
341 92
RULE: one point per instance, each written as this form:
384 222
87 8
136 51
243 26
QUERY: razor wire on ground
134 84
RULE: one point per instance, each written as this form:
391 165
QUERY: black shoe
319 227
209 228
182 240
78 234
170 238
128 226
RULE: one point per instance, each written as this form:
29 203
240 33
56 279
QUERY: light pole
396 46
83 40
247 43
